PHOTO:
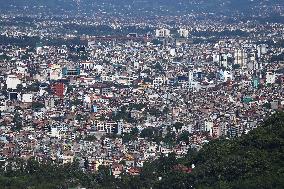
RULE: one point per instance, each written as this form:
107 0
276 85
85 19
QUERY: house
116 169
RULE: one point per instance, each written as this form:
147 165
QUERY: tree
32 166
236 66
134 131
69 89
138 106
178 125
37 105
79 117
170 138
267 105
184 137
19 87
76 102
130 136
34 87
158 67
104 176
154 112
167 163
90 138
147 132
17 120
166 110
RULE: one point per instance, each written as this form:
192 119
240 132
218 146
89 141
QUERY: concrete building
12 82
183 32
162 32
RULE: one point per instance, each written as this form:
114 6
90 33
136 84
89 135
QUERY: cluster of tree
106 30
19 174
272 19
155 134
90 138
25 41
123 114
18 122
251 161
4 57
37 105
19 41
220 34
276 58
130 136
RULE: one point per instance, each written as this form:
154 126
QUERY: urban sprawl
122 99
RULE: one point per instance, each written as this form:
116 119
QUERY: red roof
182 168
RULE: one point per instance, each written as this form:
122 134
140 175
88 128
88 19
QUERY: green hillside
251 161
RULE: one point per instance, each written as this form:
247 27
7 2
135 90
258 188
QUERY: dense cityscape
115 89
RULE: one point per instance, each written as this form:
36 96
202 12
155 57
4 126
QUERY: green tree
147 132
105 177
178 125
184 137
17 120
236 66
37 105
130 136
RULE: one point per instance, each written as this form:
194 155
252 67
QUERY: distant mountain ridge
156 6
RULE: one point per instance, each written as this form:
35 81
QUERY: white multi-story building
270 78
183 32
12 82
163 32
240 57
27 98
